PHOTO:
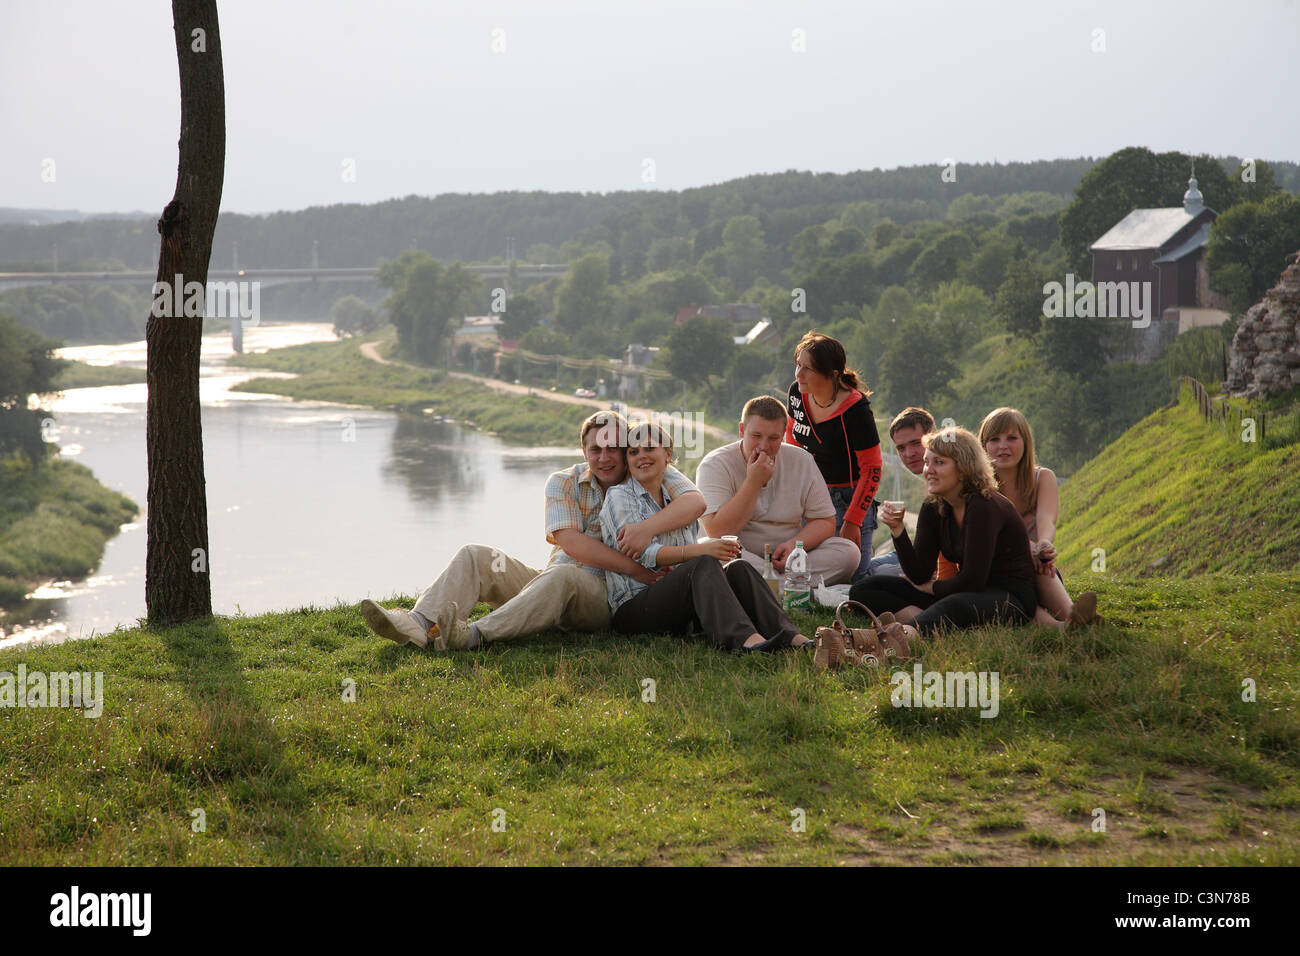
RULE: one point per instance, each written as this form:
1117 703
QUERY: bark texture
177 567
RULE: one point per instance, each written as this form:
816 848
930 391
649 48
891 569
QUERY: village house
1165 250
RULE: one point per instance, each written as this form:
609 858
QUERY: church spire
1193 201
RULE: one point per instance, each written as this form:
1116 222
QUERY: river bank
355 371
55 522
72 533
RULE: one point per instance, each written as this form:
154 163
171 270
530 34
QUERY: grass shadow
236 754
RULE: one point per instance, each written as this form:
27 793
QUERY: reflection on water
434 459
308 502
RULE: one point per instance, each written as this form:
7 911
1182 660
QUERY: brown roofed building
1165 247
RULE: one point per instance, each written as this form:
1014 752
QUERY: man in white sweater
770 493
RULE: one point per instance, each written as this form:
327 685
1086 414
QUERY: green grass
81 375
54 523
245 719
996 365
1176 496
1071 424
1178 718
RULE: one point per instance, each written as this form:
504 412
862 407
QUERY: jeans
727 603
885 564
1008 602
840 498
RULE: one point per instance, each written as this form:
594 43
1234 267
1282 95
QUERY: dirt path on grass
1190 814
371 351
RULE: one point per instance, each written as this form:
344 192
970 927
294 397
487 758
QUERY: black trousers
1007 602
727 604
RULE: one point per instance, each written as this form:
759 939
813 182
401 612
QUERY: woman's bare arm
1049 506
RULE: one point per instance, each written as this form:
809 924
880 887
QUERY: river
309 503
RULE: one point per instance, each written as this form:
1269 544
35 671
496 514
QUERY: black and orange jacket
846 447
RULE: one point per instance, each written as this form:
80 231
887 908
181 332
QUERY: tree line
473 228
913 302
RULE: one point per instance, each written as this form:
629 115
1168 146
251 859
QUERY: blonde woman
1008 441
969 523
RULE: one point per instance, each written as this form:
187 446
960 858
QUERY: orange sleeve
870 463
946 569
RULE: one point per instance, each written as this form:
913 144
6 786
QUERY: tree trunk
177 583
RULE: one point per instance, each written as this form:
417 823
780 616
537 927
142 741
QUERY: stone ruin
1265 355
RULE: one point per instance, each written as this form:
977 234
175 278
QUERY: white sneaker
397 626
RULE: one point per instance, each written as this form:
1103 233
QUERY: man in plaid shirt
570 592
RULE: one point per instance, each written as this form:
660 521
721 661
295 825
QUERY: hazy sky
485 95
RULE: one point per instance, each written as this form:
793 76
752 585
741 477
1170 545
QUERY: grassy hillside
1072 421
246 719
1175 496
54 523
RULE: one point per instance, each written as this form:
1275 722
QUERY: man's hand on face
633 539
780 553
760 468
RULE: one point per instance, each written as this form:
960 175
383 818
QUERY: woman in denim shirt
732 605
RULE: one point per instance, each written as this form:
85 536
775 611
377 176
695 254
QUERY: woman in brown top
973 526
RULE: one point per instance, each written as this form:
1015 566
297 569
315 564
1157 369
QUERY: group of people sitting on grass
627 552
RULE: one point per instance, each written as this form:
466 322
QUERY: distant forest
473 228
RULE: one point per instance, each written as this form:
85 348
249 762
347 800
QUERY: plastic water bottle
798 582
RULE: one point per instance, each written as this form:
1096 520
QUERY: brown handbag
880 645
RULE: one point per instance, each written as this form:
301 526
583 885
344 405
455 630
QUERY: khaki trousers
834 560
524 600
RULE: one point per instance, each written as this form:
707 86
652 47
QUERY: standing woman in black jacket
831 419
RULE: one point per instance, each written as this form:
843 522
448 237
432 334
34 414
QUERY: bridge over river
267 277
